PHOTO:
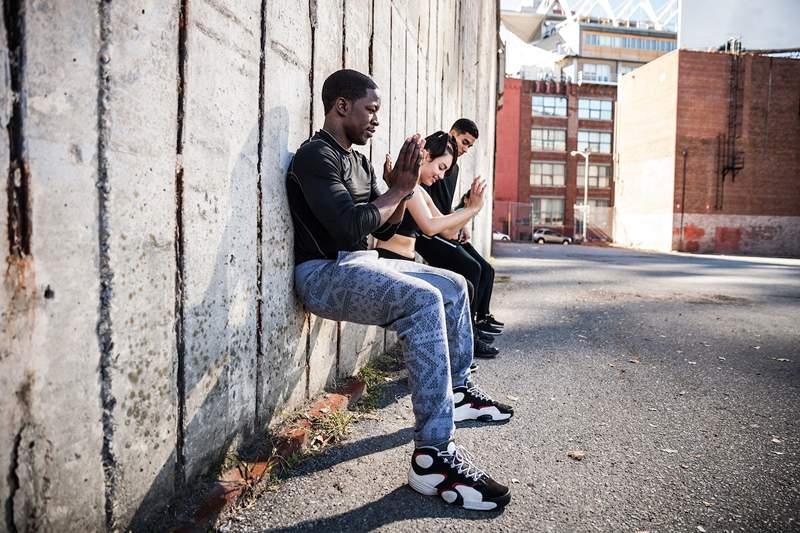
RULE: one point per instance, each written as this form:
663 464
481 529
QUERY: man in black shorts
454 251
336 203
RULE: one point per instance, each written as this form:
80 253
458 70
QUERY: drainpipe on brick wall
684 153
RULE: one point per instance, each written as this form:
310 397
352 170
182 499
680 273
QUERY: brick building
540 123
709 154
566 103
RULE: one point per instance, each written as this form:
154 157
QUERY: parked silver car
543 235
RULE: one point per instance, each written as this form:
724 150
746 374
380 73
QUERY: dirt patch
718 299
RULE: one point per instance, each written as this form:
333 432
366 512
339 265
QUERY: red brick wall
508 143
769 142
769 183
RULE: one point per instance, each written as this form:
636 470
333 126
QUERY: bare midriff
399 244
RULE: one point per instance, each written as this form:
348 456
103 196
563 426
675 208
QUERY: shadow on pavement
400 504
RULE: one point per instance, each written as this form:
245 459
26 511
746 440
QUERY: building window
599 176
598 202
594 141
547 174
547 211
624 69
549 140
554 106
633 43
594 109
596 72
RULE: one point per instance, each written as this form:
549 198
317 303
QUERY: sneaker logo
458 397
424 461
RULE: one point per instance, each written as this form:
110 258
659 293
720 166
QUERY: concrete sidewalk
677 375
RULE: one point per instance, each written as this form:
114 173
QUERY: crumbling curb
291 439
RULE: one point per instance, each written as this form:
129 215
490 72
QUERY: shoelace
478 393
462 461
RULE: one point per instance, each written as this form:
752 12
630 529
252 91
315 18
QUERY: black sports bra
408 227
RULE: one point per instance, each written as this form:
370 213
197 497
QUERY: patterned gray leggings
429 309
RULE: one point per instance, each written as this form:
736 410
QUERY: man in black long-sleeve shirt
335 203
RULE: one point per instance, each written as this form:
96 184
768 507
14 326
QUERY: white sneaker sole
488 414
418 484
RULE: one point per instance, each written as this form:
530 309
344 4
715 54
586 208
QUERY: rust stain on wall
727 239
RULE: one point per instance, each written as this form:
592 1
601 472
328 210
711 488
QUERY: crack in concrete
338 348
18 182
405 80
312 19
344 33
391 50
180 458
308 355
371 48
259 221
104 324
13 483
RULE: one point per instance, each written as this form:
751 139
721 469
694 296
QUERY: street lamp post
585 155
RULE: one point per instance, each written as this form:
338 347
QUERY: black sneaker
493 321
452 475
473 367
487 328
485 351
485 337
471 403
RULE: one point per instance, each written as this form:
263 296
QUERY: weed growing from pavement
373 384
325 431
374 376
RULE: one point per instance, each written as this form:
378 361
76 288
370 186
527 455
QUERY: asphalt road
677 375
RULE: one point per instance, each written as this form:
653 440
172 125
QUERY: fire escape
730 159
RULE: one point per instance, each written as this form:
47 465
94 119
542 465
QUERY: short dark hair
345 83
465 125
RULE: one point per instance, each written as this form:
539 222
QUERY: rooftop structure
592 40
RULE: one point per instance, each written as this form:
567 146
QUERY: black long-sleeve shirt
329 190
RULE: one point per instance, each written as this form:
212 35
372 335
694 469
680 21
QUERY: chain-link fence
599 222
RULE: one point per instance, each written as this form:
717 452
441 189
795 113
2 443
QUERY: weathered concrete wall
737 234
645 175
148 322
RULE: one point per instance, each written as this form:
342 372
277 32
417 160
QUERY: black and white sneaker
484 351
451 474
471 403
493 321
485 337
487 328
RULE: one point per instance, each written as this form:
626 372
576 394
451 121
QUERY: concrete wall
645 147
738 234
147 318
